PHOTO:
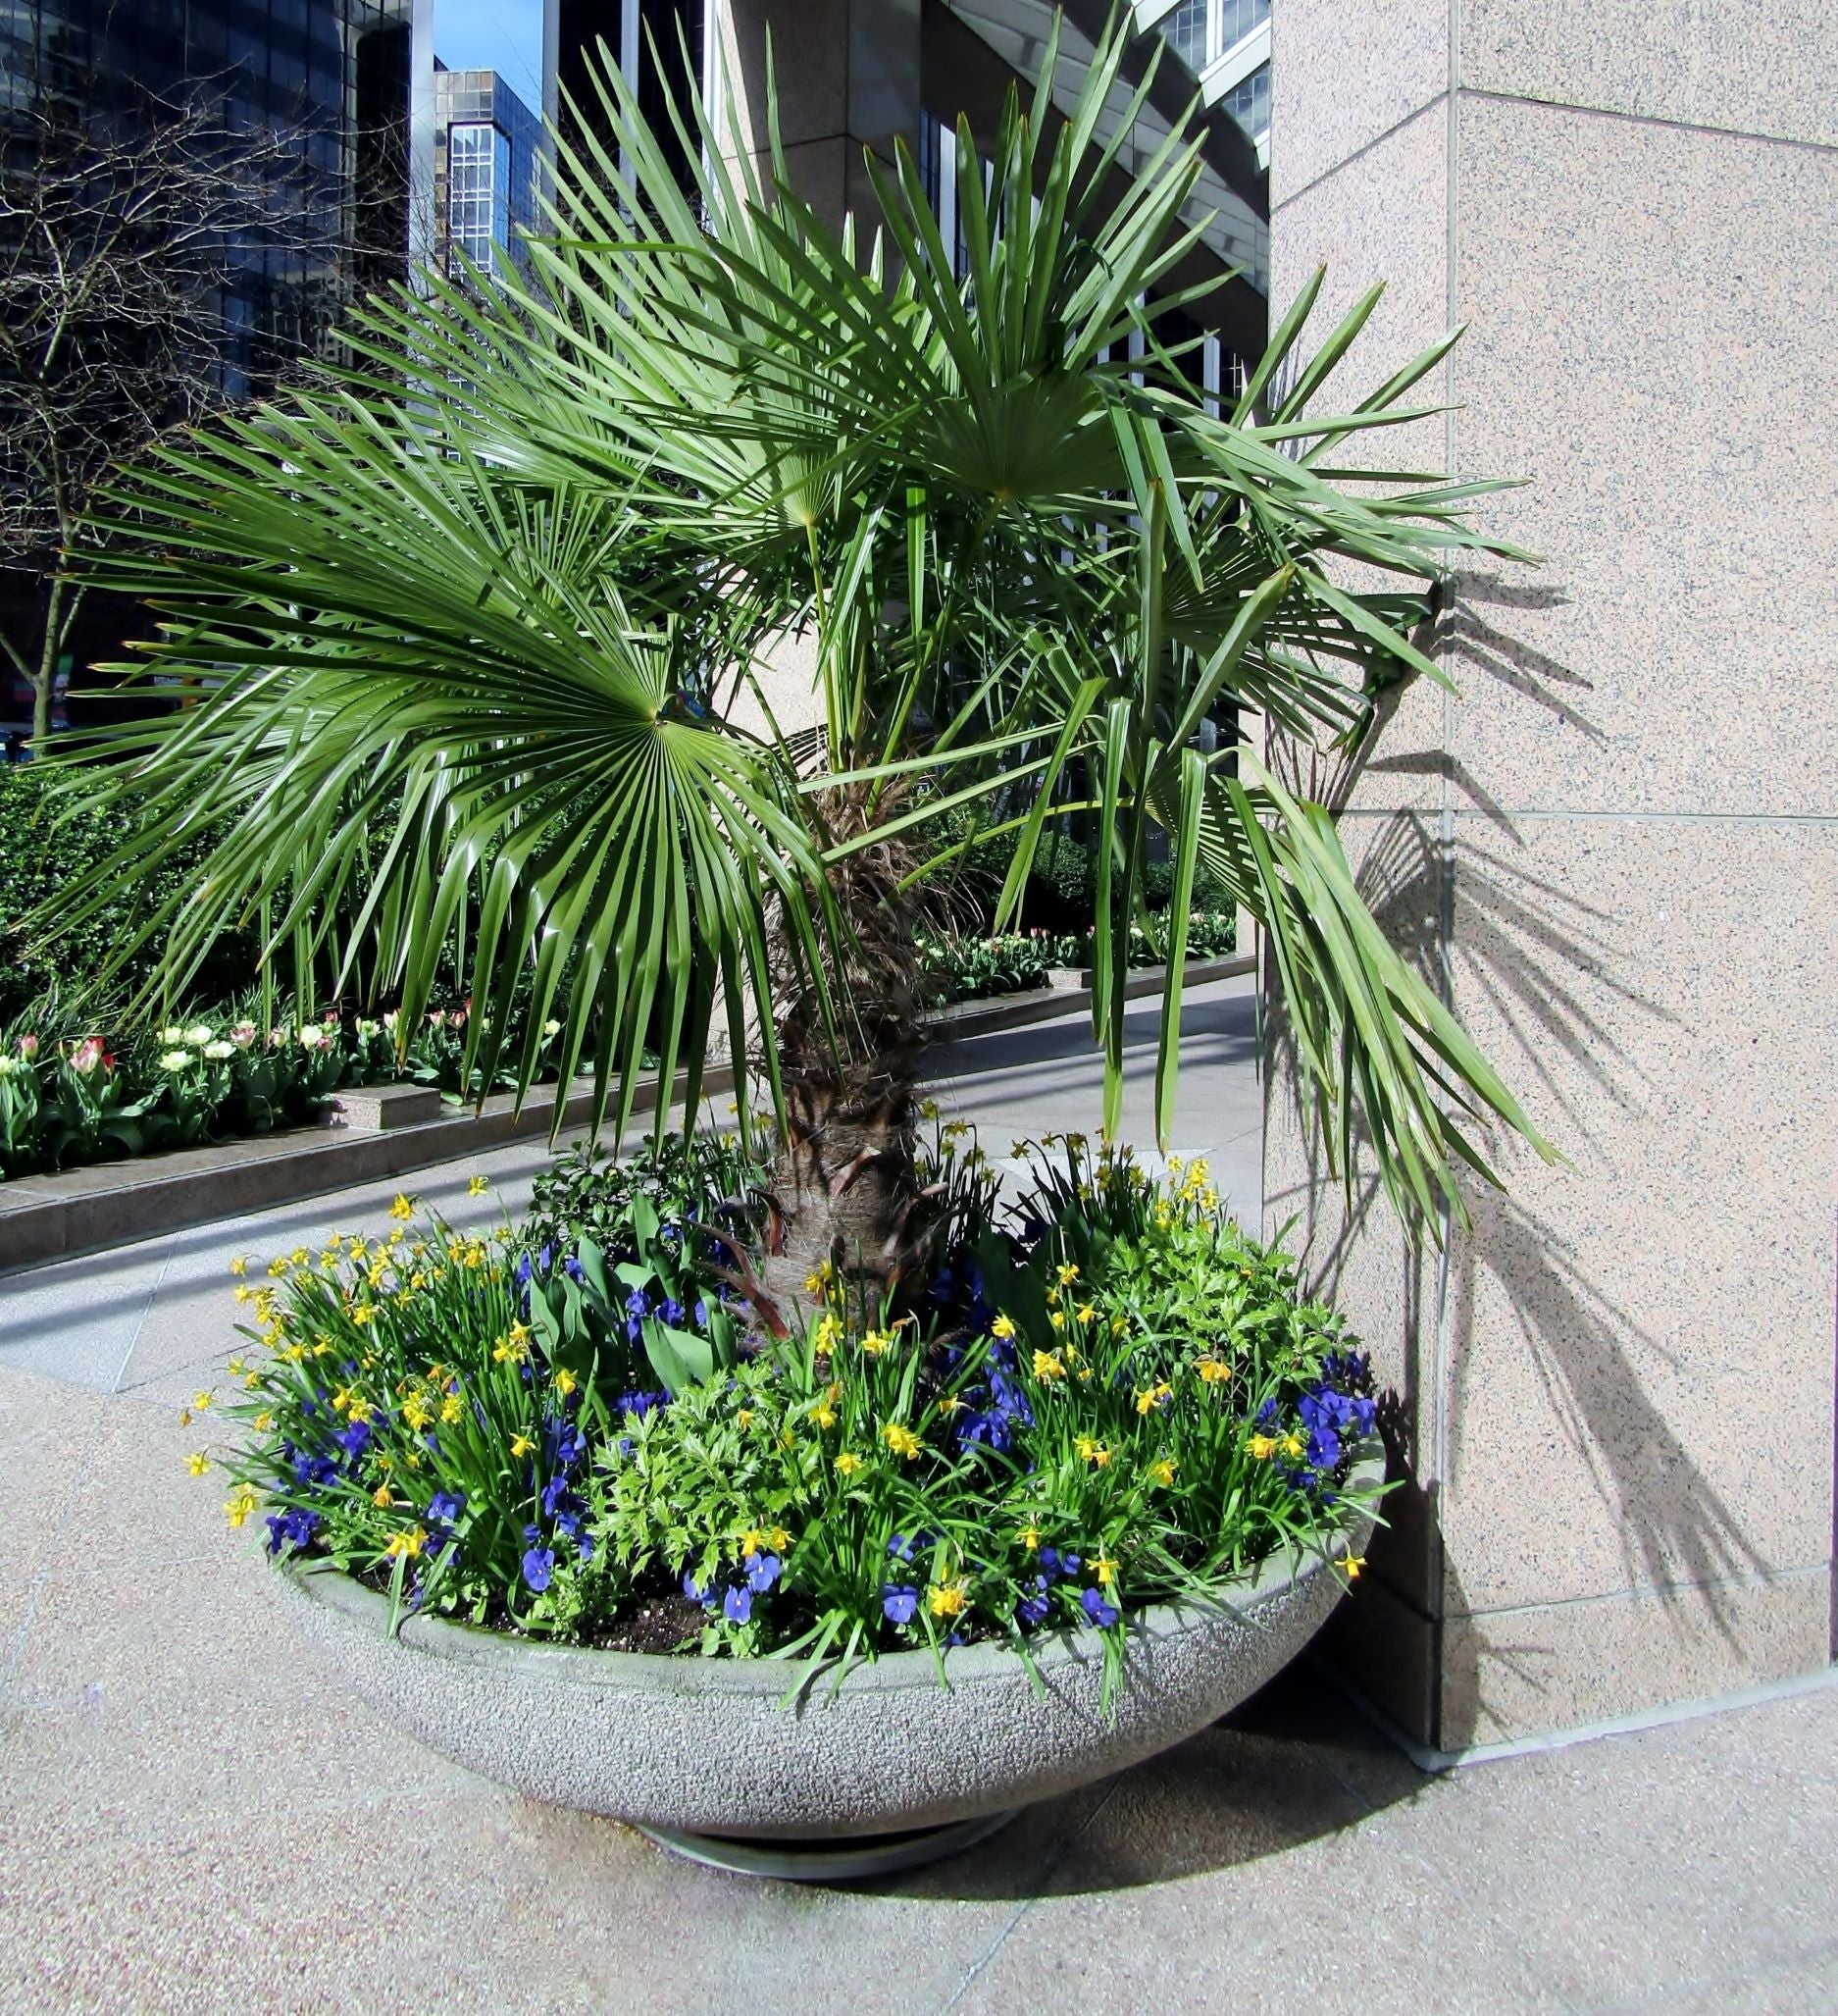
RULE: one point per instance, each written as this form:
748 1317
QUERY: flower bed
69 1098
981 968
1103 1398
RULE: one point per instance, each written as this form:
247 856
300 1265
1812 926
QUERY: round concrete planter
711 1747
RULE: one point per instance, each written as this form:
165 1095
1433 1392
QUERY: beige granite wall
1620 844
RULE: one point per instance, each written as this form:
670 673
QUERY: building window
1249 102
1201 32
479 173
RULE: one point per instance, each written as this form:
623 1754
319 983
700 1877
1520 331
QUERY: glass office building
331 74
488 150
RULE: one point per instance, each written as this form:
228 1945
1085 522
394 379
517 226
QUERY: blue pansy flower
736 1606
1035 1606
899 1601
1101 1613
762 1571
900 1547
695 1593
539 1565
444 1507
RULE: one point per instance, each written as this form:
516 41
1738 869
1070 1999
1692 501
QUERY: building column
847 75
1616 848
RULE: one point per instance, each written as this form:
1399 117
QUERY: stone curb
43 1219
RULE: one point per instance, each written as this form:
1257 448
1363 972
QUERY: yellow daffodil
902 1441
873 1342
1002 1327
744 1417
824 1415
199 1402
238 1265
1291 1445
521 1444
1106 1570
263 1422
451 1411
239 1503
1049 1365
1263 1447
197 1462
565 1382
1148 1397
403 1208
407 1544
380 1495
245 1294
1092 1452
1030 1538
829 1333
1212 1370
1066 1274
1352 1565
848 1463
1162 1470
1086 1312
477 1186
948 1599
184 1417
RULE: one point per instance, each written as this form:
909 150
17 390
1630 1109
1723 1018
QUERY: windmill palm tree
481 628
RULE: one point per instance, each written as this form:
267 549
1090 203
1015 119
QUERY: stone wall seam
1649 1592
1364 148
1683 126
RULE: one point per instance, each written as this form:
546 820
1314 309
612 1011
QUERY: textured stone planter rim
653 1673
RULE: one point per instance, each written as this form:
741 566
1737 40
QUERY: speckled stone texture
1620 840
712 1746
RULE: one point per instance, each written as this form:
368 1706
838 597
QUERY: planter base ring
827 1858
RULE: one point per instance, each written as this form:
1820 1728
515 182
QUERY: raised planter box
704 1753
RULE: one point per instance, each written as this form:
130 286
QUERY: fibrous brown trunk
844 1188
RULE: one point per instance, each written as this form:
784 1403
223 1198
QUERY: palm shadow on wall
1535 962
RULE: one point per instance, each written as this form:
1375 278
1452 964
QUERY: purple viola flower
293 1529
539 1567
1364 1413
762 1571
900 1547
353 1439
701 1312
1323 1449
571 1267
695 1593
584 1546
1267 1416
673 1312
1102 1614
445 1507
736 1606
1036 1607
899 1601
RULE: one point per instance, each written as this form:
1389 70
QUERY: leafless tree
123 237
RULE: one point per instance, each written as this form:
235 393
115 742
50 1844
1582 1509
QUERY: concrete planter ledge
708 1747
370 1132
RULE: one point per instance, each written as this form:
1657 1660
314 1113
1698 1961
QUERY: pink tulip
29 1047
242 1035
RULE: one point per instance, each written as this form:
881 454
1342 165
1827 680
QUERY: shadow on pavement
1295 1763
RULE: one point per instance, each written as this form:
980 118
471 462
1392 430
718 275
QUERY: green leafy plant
528 596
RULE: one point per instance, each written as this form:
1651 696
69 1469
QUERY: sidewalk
193 1815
